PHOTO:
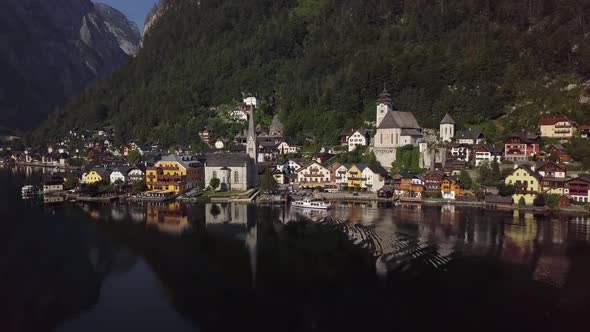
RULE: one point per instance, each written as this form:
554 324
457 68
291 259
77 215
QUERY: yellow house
97 175
174 174
526 184
355 176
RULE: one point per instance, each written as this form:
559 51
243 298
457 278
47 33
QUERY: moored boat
27 190
312 204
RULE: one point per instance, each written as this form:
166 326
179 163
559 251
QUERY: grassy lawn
222 194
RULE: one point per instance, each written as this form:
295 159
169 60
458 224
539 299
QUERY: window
215 174
236 177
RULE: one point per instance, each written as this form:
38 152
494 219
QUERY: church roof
447 119
227 159
396 119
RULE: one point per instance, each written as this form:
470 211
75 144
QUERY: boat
312 204
28 190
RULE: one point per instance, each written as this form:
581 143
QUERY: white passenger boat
28 190
312 204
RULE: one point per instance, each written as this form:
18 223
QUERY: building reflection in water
168 218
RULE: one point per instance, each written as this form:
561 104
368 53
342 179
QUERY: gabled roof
580 178
469 134
227 159
529 170
184 161
411 132
378 169
404 120
551 121
542 164
103 172
447 119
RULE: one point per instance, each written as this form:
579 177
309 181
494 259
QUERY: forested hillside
321 63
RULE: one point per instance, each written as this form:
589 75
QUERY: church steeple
384 106
251 142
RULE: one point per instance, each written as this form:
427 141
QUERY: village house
323 157
487 154
454 167
234 171
554 177
579 189
97 174
136 174
418 185
240 113
433 180
360 137
279 177
394 130
471 137
340 175
374 177
520 147
313 175
333 170
559 152
451 188
557 128
290 166
206 135
288 147
585 131
459 151
119 174
267 153
53 183
526 182
175 173
354 176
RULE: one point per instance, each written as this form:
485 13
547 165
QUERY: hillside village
392 158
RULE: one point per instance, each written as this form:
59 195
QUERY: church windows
236 177
214 174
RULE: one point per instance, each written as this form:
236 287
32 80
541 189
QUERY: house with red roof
520 146
557 128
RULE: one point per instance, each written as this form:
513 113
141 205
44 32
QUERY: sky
135 10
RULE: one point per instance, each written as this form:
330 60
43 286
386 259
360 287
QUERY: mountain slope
321 63
51 50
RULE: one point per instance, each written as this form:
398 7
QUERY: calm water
227 267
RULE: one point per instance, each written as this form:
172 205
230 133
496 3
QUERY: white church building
394 129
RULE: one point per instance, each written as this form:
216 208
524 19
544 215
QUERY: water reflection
227 266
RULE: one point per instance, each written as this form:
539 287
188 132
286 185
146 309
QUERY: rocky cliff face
51 50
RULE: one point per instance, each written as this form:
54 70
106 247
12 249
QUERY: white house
289 147
486 154
135 174
119 174
470 137
239 115
375 177
251 101
313 175
460 152
290 166
341 175
359 137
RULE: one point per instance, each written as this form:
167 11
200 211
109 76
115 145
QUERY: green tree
465 178
521 202
214 183
134 157
71 182
505 190
268 183
139 186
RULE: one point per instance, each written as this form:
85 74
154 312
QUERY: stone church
235 170
394 129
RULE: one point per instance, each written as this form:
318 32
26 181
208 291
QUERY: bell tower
447 129
384 105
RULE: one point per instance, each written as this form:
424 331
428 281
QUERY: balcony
567 125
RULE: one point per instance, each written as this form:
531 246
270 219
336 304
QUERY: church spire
251 144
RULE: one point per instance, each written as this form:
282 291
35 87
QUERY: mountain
320 64
51 50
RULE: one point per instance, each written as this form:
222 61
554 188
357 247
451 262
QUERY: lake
222 267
